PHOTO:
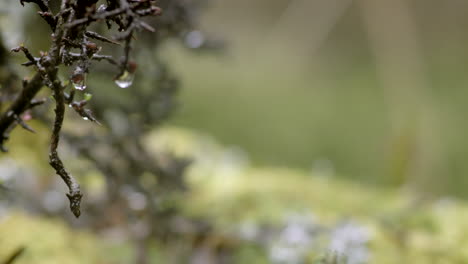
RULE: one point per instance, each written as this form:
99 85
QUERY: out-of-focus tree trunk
413 142
7 75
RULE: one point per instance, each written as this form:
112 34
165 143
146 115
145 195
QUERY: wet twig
69 26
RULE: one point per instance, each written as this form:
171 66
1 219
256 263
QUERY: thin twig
74 194
21 104
15 255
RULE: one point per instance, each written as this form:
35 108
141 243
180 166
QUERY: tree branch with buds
71 46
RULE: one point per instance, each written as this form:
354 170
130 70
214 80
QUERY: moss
50 241
230 193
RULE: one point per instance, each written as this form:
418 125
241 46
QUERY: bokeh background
372 89
337 115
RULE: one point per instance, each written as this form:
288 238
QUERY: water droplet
79 81
125 80
101 8
79 86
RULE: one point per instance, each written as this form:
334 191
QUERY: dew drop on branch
79 86
125 80
79 81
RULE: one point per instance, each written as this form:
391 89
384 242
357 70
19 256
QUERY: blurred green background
375 90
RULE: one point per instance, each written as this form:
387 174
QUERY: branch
43 5
21 104
69 26
95 35
74 194
15 255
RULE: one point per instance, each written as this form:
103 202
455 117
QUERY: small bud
16 49
132 67
91 46
75 201
156 11
26 116
78 78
